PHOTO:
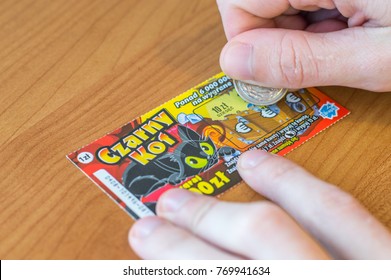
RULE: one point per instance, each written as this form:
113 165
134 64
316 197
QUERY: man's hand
305 218
296 43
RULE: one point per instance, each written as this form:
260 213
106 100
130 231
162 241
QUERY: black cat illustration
193 156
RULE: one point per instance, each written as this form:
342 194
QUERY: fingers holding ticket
308 219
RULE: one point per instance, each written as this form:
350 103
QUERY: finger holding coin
258 95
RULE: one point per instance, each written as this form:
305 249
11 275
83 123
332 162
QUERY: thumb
355 57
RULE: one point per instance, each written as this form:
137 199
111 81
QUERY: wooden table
71 71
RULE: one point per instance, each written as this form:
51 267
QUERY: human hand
297 44
305 219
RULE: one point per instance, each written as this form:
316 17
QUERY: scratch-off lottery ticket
194 141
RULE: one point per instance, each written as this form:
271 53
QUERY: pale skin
274 43
302 43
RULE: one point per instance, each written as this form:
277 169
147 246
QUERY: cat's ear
188 134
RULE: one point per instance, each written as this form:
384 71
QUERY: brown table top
72 71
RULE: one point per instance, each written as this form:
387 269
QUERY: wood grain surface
73 70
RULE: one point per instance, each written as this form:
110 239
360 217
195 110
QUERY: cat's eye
207 148
196 162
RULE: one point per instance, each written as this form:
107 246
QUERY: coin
259 95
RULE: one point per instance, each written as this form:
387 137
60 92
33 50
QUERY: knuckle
199 217
295 62
337 202
267 209
263 217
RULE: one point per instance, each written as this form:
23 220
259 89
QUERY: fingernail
236 60
145 227
252 159
173 200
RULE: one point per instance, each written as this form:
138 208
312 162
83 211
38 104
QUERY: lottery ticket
193 142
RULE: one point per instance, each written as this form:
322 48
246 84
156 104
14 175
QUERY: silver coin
259 95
